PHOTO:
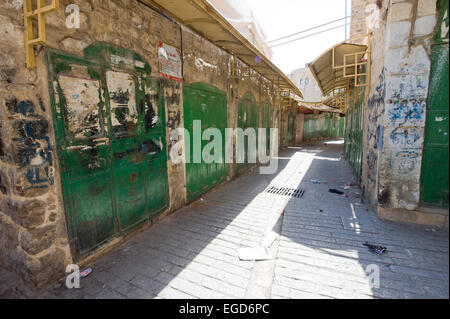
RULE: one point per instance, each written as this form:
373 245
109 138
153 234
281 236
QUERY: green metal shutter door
209 105
434 176
110 182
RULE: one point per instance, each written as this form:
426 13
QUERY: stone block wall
407 70
374 110
33 230
394 117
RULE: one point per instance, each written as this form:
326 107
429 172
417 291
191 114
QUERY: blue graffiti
34 151
407 110
405 137
407 154
25 107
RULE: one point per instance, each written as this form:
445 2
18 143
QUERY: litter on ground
335 191
85 273
254 253
269 239
375 248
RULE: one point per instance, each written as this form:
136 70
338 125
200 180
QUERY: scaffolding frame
29 15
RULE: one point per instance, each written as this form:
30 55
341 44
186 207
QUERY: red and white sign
170 62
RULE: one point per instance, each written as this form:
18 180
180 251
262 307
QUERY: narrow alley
224 149
193 252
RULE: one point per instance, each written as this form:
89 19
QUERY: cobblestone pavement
319 253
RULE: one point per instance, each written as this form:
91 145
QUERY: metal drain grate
285 191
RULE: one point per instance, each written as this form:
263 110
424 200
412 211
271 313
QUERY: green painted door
108 120
291 128
434 177
353 131
248 117
341 126
308 127
82 138
334 127
267 122
325 129
209 105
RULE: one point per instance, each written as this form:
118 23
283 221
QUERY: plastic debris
409 253
315 181
269 239
254 253
346 187
335 191
375 248
85 273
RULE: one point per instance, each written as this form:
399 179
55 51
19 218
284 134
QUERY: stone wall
374 110
407 69
365 16
307 84
33 231
394 117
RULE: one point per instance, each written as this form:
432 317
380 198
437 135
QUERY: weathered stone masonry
33 231
394 117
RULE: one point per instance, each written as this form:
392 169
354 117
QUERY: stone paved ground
321 254
192 253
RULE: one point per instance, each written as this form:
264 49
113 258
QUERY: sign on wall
170 62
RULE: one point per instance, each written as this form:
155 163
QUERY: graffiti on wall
374 129
406 111
32 144
406 105
404 160
405 136
405 121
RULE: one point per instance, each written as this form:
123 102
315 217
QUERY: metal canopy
203 18
329 74
318 106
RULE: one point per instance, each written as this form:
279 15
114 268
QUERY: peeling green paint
110 130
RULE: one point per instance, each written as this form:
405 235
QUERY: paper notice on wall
122 98
81 105
170 62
